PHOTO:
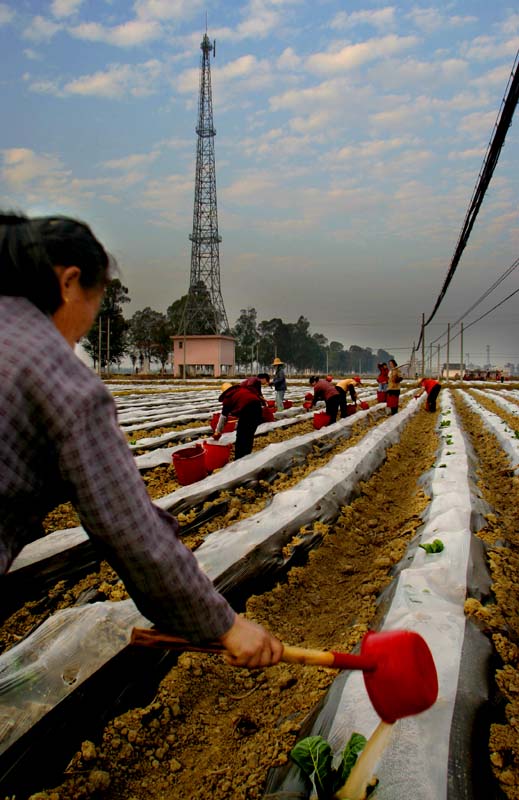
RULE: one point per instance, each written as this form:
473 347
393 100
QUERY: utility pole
108 344
461 352
99 346
430 360
439 372
423 345
448 349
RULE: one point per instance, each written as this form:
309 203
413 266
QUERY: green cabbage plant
313 756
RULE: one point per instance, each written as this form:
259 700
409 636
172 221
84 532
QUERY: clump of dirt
214 731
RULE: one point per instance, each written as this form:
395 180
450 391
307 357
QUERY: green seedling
445 423
313 756
436 546
133 441
442 466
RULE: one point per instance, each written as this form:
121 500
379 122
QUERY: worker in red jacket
245 403
256 383
327 391
432 387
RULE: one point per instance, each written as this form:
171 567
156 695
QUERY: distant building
455 372
197 356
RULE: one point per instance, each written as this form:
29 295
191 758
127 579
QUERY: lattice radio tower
204 312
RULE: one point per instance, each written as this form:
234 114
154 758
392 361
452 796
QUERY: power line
496 283
465 329
503 122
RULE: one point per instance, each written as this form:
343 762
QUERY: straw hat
277 361
225 386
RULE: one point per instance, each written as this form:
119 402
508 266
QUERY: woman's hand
250 645
216 436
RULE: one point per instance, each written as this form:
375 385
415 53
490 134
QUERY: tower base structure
203 356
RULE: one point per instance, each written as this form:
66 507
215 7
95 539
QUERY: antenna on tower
204 311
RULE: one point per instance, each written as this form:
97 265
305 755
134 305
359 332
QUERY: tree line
145 338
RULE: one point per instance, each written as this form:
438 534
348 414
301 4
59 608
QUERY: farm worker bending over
432 387
325 390
347 385
245 403
61 440
256 382
279 382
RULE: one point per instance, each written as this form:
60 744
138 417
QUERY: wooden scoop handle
149 637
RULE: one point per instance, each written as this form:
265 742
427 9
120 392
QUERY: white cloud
511 25
410 72
43 86
167 9
494 77
129 34
171 198
431 19
479 125
375 148
23 167
41 29
474 152
354 55
130 162
117 81
243 75
65 8
260 18
31 54
6 14
249 189
488 48
325 93
288 59
382 18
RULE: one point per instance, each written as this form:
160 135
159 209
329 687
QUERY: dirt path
500 488
213 731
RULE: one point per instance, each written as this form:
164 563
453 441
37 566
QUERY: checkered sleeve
136 537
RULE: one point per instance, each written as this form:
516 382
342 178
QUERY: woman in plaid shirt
59 440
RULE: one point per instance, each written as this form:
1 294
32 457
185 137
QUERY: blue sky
349 141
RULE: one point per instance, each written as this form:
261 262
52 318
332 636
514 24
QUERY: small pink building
203 355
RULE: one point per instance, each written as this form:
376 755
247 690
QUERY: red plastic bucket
321 419
364 405
267 414
287 404
189 464
309 396
307 404
271 403
381 397
350 409
216 455
229 426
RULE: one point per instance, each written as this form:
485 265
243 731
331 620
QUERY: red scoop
398 668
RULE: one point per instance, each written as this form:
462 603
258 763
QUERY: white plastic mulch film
429 756
43 669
